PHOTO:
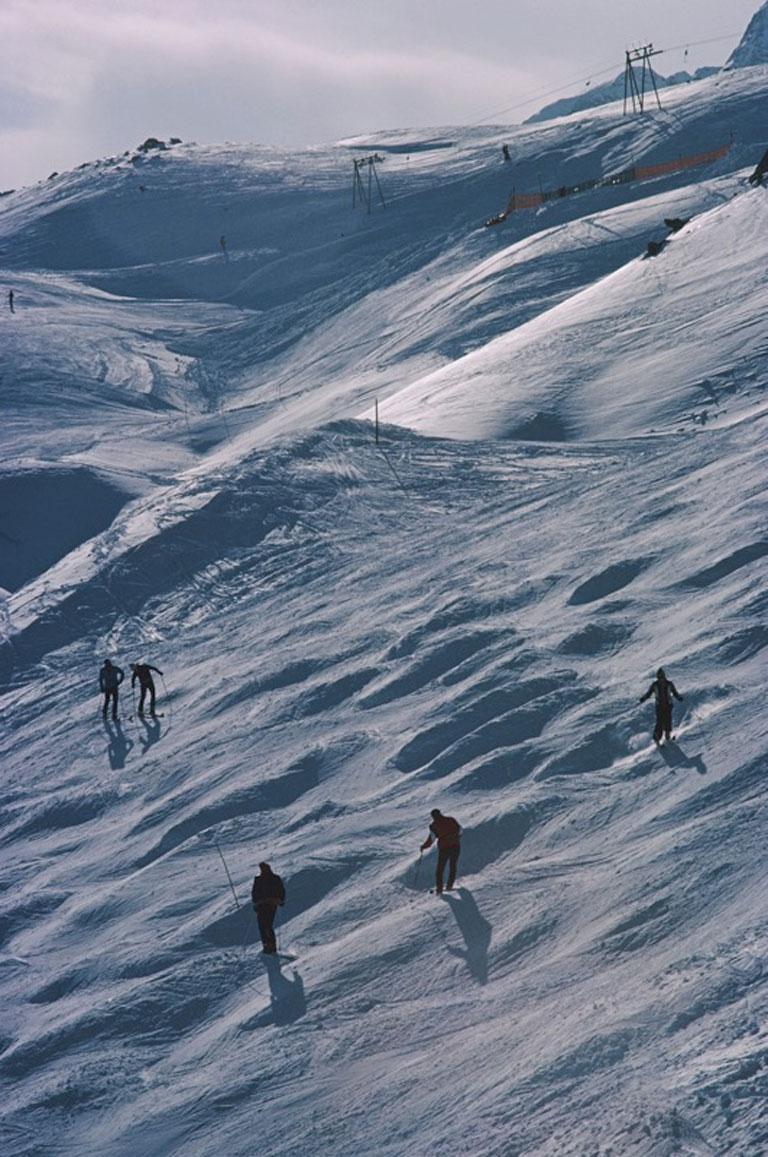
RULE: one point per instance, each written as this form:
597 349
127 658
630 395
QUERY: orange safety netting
520 201
645 172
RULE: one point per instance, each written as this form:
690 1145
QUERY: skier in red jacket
447 832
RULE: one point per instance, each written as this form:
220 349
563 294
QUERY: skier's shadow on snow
674 757
285 996
474 928
153 733
119 744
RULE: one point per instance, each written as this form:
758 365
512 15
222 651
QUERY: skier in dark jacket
663 689
143 672
267 894
110 678
446 831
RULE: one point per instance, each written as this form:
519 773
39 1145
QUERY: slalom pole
226 869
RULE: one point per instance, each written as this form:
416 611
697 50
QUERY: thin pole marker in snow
376 411
226 869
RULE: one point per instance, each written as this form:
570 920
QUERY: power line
594 75
544 93
697 43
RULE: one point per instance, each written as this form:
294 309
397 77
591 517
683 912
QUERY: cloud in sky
86 78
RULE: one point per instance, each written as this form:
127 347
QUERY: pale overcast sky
82 79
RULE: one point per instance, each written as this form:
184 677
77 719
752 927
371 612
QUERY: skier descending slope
110 678
446 831
143 672
266 894
663 688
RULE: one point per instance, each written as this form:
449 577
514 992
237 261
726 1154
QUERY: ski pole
226 869
418 865
167 697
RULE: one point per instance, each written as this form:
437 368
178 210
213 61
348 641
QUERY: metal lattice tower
362 190
632 90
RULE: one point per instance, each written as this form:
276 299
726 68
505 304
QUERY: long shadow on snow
286 997
475 929
118 744
675 757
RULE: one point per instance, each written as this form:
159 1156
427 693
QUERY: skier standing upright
110 678
447 832
143 672
267 894
663 689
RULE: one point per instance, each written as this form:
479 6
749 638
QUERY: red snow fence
521 201
648 172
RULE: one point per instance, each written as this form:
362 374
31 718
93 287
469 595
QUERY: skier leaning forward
663 689
143 672
446 831
267 894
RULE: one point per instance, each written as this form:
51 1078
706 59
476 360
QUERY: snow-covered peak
753 46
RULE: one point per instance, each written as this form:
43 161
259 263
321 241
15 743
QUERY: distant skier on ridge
110 678
447 832
267 894
143 672
663 689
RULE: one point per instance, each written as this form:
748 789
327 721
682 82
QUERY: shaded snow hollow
569 490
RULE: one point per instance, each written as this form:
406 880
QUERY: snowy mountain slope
640 350
614 90
351 636
328 689
298 256
753 47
